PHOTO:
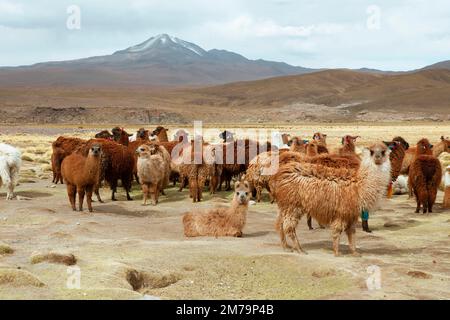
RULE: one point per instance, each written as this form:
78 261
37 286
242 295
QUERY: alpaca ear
246 184
237 184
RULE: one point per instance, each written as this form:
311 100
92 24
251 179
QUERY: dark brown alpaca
121 136
425 174
104 134
82 175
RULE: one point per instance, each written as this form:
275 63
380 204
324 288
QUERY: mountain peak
164 41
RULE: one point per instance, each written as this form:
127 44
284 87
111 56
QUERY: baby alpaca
10 162
220 221
82 175
152 171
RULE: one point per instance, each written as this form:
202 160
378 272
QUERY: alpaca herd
304 177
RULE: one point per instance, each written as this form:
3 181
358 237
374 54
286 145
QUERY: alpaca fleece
220 222
333 196
10 163
82 175
425 174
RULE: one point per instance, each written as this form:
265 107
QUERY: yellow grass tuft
5 249
19 278
52 257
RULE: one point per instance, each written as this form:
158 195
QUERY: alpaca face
424 147
346 140
142 133
379 153
95 150
320 137
242 192
145 151
446 142
312 147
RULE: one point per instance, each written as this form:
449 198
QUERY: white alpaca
10 162
400 186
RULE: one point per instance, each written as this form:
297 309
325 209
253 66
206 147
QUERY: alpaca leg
144 193
155 194
431 198
337 230
113 190
81 193
71 193
89 197
289 225
417 201
279 227
350 231
97 193
182 182
309 222
127 187
258 193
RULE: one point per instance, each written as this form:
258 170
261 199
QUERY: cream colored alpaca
220 221
152 170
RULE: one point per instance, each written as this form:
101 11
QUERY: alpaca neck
438 149
373 181
238 212
91 166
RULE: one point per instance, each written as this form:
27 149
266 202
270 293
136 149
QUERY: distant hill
328 96
160 61
439 65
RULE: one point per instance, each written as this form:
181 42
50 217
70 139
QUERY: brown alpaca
152 170
298 145
57 157
161 134
104 134
321 139
121 136
348 145
237 156
220 222
82 175
62 147
117 163
398 147
442 146
333 196
425 174
198 173
446 202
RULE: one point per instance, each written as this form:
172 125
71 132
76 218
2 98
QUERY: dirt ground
127 251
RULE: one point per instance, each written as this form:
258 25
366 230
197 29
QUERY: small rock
419 275
251 202
52 186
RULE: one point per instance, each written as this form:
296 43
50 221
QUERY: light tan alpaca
334 197
152 171
220 222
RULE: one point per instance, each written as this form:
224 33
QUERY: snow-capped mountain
162 60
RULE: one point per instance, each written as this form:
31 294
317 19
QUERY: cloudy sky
382 34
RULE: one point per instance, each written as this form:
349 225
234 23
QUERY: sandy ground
127 251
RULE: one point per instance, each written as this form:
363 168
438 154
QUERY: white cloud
326 33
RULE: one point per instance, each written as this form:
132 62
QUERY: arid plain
127 251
